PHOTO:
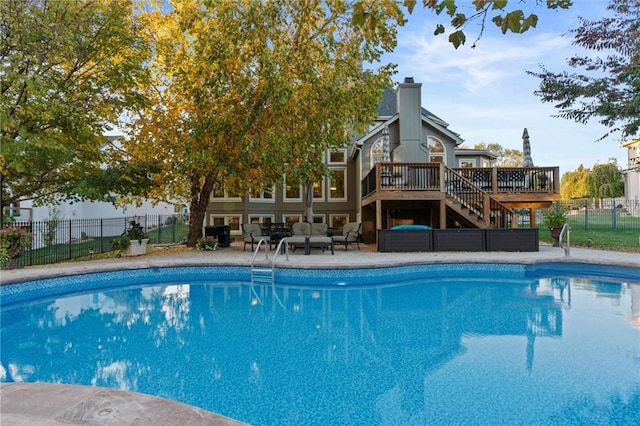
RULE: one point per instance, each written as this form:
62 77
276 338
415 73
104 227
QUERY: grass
101 246
611 240
595 230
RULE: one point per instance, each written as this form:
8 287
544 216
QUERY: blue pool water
431 344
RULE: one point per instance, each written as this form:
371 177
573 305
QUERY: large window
266 195
338 220
223 194
437 153
292 192
290 219
338 185
233 221
318 191
468 162
377 152
261 219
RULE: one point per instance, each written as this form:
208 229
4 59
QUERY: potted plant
14 240
207 243
136 237
554 221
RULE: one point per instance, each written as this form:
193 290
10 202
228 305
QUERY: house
407 169
632 173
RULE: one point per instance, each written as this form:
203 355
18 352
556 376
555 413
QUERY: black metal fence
599 214
59 240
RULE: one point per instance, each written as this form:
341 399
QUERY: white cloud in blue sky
486 96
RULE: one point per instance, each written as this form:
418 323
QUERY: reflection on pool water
512 345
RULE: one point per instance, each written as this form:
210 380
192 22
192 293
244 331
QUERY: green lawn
619 240
61 252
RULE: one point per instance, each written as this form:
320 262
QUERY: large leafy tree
574 184
602 181
68 69
507 157
246 92
605 86
606 181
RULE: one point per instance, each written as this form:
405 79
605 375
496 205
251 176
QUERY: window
486 163
292 192
318 191
377 152
233 221
437 153
318 218
467 162
338 220
261 219
338 156
266 195
338 185
290 219
221 193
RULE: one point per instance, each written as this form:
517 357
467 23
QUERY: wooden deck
475 197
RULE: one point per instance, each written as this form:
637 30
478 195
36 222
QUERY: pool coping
353 258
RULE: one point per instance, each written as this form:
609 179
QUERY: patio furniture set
302 234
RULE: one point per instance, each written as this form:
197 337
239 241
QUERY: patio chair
310 235
252 232
350 234
300 231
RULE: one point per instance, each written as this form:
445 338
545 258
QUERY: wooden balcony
517 187
469 197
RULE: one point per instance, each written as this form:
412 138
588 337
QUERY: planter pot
136 248
555 234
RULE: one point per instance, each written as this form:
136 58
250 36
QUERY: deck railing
430 177
479 202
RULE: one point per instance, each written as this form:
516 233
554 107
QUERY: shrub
207 243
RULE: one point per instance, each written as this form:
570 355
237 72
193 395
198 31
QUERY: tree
574 185
68 70
506 157
608 87
246 92
515 21
606 181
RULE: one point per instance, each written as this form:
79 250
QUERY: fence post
174 224
614 223
70 235
586 216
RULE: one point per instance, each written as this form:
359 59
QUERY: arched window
377 152
437 153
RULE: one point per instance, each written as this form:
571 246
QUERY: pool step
261 274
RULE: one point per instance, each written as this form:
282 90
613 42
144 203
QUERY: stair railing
477 201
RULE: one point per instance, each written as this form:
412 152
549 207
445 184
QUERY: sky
486 96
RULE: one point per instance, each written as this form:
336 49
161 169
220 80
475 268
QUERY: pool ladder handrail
567 249
272 268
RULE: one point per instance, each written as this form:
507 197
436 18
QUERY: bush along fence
609 214
59 240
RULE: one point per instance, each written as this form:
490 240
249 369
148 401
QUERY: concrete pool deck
50 404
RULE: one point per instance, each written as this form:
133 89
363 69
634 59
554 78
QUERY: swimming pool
428 344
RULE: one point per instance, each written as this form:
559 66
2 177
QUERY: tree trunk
198 208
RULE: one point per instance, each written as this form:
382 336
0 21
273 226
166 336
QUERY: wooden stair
473 205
